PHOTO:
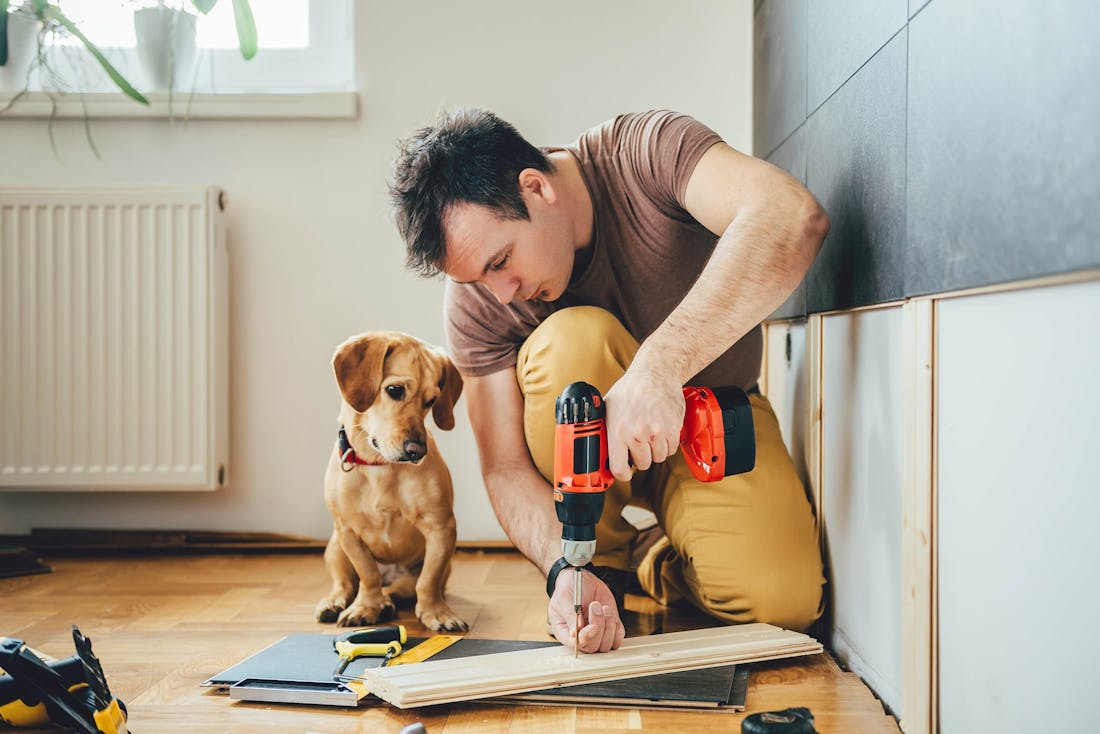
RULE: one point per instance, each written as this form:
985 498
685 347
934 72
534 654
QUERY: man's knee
572 342
737 591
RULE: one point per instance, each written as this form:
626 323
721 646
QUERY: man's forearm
524 506
757 263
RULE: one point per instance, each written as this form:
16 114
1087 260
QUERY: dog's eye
430 403
396 392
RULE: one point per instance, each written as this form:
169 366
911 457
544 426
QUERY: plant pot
166 47
16 75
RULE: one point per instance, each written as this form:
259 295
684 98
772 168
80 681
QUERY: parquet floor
162 625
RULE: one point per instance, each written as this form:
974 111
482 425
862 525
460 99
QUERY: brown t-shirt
646 252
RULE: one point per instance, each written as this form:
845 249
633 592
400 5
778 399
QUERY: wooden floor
162 625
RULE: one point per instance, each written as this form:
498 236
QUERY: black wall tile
779 72
1003 142
791 157
843 34
855 166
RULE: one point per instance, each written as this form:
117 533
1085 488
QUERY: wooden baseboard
84 540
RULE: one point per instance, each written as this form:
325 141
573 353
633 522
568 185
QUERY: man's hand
645 412
601 629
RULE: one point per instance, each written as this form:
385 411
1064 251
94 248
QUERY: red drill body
717 439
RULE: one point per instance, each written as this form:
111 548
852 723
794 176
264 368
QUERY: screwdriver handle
351 650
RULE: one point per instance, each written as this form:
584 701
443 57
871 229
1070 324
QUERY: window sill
216 106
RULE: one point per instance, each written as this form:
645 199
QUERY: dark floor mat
16 561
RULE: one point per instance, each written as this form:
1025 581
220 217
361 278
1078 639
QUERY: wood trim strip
815 406
918 471
501 674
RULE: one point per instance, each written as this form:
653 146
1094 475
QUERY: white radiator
113 339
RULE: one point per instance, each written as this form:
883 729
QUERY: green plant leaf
53 13
246 28
204 6
39 8
3 32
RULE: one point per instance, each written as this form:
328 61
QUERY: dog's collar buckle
348 458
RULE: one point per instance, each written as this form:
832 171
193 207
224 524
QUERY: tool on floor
383 642
422 651
717 439
417 728
72 692
789 721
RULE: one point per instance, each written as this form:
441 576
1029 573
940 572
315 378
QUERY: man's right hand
601 628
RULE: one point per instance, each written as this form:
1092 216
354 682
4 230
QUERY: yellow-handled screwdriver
383 642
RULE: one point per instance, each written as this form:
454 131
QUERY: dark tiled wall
954 143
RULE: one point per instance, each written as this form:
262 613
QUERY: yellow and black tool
72 692
427 649
384 642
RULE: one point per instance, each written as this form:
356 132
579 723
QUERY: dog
387 487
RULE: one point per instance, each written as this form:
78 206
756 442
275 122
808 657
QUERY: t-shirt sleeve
483 336
663 148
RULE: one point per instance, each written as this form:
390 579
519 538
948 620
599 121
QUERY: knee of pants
737 591
578 343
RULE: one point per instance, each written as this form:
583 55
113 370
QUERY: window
304 45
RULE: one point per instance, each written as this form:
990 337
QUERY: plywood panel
1017 401
861 489
787 386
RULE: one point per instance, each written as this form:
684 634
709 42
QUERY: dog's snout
414 451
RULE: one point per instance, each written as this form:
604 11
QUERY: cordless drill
717 439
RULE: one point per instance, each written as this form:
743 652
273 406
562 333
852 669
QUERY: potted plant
46 19
166 39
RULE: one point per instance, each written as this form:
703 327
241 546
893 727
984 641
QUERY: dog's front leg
344 581
431 609
370 604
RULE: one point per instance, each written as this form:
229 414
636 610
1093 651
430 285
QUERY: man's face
516 259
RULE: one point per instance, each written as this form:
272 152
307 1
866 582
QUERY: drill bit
577 610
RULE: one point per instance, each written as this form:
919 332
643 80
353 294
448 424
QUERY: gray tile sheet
843 35
855 166
779 72
791 157
1003 142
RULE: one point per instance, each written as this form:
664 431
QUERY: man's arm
770 231
521 498
524 506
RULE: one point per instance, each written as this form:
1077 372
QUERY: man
640 258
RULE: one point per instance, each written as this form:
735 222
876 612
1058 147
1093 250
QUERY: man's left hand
645 412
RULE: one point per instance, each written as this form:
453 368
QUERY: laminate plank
447 681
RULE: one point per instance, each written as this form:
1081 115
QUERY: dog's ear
450 388
358 367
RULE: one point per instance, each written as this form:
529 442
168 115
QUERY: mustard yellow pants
744 549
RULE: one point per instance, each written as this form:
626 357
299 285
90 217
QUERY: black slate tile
855 166
791 157
1004 150
843 34
779 72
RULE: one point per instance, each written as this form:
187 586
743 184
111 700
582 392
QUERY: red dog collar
348 457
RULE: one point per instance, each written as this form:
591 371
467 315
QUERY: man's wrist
556 569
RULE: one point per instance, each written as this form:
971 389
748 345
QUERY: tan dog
390 497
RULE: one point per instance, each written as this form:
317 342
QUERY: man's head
476 201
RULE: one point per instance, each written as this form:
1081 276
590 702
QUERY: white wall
315 257
1017 497
861 387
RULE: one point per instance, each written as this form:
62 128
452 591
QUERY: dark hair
469 155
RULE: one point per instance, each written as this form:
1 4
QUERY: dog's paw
359 615
328 610
440 618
